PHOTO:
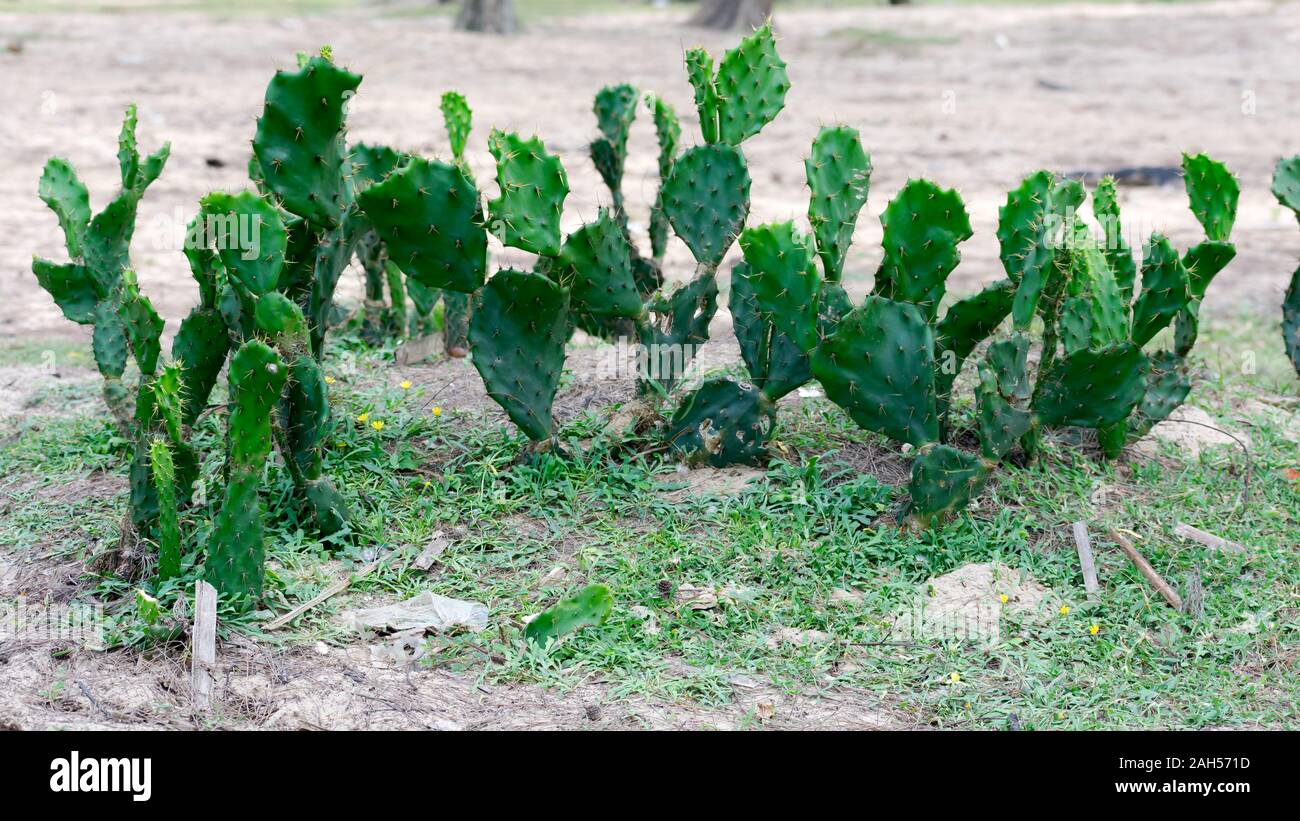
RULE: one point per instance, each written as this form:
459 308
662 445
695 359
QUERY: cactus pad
723 422
775 363
706 198
458 119
596 264
923 226
236 554
699 70
67 197
1286 183
1291 320
782 274
1167 386
943 481
426 215
533 186
1165 289
751 87
879 366
248 235
839 178
300 139
1092 388
517 334
1212 192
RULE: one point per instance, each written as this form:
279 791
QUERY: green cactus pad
168 400
1092 388
106 245
137 176
300 143
455 322
236 553
1212 192
839 178
668 132
279 316
699 70
723 422
67 197
458 119
590 608
775 363
1105 207
200 346
878 365
1167 386
426 215
782 274
615 109
706 198
1291 320
943 482
108 342
1022 225
1165 288
1286 183
1203 262
374 163
596 265
73 288
923 226
1075 324
533 186
248 235
142 324
517 333
163 469
751 87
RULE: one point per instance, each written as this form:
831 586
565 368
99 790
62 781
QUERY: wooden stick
437 545
1144 567
1208 539
332 590
1086 561
203 649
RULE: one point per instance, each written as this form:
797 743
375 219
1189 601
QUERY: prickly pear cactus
745 94
517 333
169 532
236 557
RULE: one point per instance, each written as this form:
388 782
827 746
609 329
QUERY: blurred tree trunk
495 16
732 14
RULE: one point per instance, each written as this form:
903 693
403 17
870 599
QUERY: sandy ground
972 98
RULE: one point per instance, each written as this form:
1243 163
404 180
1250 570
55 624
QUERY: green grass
779 550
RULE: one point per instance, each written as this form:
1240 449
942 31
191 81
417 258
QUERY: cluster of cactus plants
267 263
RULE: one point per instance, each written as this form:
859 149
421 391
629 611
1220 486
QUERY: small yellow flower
1060 716
329 380
955 677
1094 629
378 424
340 444
427 483
363 417
1065 610
406 384
1003 598
437 411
